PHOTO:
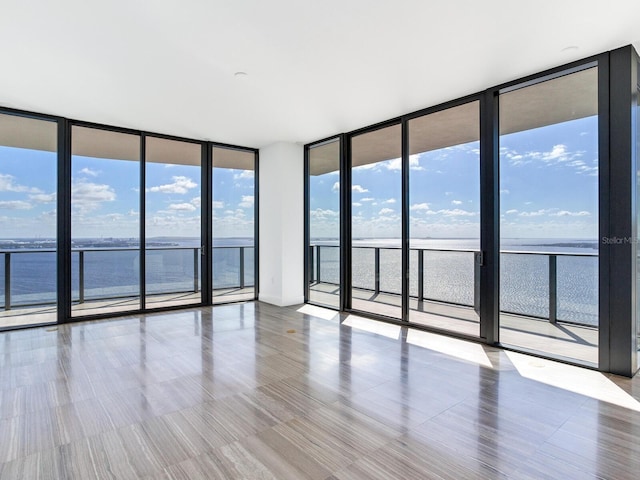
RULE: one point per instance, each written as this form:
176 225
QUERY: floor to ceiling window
637 159
28 238
105 221
324 224
376 222
444 218
173 222
234 200
549 216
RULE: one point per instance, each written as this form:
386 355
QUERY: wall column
281 178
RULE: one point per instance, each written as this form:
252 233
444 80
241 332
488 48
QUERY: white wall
281 186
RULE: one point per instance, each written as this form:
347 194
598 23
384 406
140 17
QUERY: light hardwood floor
255 391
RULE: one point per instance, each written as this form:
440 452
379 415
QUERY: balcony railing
112 273
556 286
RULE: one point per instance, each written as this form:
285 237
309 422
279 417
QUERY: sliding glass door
376 222
444 219
173 217
105 221
233 233
549 241
28 216
323 249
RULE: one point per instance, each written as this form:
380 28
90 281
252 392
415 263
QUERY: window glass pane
637 159
173 203
105 225
324 224
28 186
376 221
233 209
444 213
549 216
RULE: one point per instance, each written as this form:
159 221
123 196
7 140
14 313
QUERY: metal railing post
81 276
241 272
7 281
377 269
420 275
196 261
553 289
317 263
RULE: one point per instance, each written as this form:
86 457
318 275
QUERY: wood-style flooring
253 391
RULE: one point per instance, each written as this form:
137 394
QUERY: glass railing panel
524 284
172 270
578 289
2 281
363 268
33 278
391 270
413 273
449 277
108 274
226 267
249 266
329 264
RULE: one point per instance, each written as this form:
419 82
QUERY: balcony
549 300
108 280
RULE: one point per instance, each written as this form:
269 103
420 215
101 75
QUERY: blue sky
105 198
548 189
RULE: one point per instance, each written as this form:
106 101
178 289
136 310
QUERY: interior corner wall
281 180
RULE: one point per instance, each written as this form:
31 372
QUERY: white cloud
504 191
456 212
196 202
420 206
390 201
87 196
558 155
319 213
535 213
180 184
512 211
336 187
15 205
367 199
133 213
414 163
245 174
566 213
456 202
396 163
247 201
43 197
385 211
356 204
7 184
218 204
89 172
182 207
357 189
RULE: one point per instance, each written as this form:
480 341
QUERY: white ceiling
315 67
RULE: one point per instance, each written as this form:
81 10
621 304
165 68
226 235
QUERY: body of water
172 265
449 275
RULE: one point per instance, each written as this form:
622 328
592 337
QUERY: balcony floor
560 340
24 316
